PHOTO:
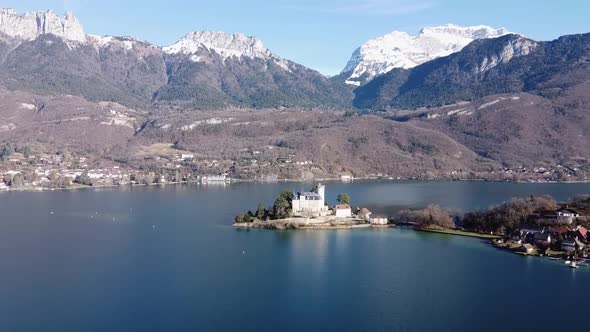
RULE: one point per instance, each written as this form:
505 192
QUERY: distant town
23 169
29 171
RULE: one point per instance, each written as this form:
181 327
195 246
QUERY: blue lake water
167 259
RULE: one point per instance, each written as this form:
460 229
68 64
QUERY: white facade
567 213
343 211
566 216
379 221
346 178
310 203
215 179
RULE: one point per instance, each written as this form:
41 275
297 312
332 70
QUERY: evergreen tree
282 206
261 212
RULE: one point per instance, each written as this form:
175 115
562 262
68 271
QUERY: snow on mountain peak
225 44
400 50
31 25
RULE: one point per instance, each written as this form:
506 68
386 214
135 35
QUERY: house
559 230
542 239
342 211
517 237
379 221
565 212
582 233
215 179
364 214
527 235
527 248
310 204
571 244
566 216
346 178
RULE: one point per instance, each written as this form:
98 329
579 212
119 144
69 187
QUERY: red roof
583 231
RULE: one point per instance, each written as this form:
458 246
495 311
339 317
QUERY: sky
321 34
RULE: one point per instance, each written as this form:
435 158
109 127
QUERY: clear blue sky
320 34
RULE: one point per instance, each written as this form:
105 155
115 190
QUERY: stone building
311 204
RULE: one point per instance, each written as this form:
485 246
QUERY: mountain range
447 102
45 53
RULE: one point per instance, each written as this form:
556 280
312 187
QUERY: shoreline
302 223
79 187
459 233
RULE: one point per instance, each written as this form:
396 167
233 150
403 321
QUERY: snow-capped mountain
217 68
226 45
31 25
204 69
400 50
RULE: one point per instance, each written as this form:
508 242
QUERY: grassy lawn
458 232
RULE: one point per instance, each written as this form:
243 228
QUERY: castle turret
322 192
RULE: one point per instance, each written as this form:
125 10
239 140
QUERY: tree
17 181
250 217
432 216
282 206
239 218
343 199
7 150
27 151
83 179
261 212
7 179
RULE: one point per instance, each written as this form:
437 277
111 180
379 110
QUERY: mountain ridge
510 63
204 69
400 50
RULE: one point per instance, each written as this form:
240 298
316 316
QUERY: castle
311 204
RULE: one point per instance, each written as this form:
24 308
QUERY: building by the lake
311 203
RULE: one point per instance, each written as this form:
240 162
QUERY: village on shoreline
536 226
23 168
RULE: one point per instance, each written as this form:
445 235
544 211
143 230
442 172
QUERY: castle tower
322 192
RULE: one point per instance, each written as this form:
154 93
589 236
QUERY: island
308 210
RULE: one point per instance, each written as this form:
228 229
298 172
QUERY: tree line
501 219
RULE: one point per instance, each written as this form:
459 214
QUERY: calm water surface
167 259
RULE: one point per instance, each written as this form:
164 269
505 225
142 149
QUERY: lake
168 259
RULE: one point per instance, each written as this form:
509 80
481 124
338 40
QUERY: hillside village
28 171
